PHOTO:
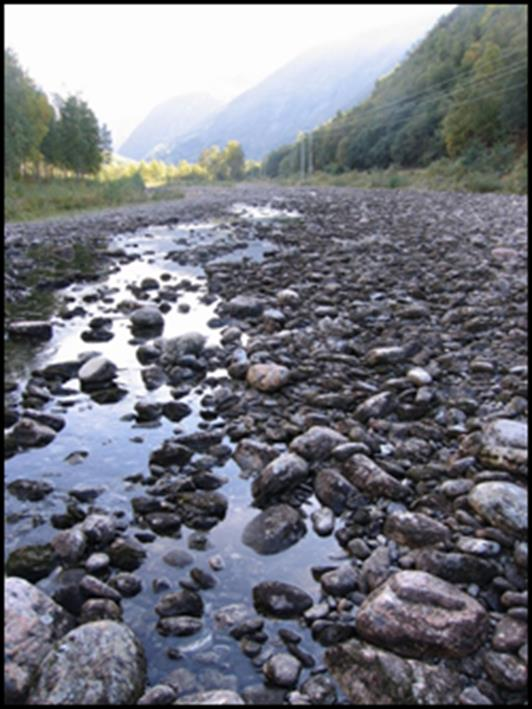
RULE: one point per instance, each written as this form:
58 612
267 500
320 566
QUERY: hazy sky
125 59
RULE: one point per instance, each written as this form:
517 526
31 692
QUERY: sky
125 59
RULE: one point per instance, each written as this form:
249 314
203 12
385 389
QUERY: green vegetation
457 103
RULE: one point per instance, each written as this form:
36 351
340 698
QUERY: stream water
101 445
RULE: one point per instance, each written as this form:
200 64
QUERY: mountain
460 93
298 97
166 122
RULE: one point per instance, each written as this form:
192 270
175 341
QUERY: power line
441 94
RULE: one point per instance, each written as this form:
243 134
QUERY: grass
442 175
32 199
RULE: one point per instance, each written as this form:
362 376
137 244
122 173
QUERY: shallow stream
102 444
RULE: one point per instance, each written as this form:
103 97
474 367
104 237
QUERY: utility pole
302 157
310 153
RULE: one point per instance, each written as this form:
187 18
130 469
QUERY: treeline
214 164
39 137
460 94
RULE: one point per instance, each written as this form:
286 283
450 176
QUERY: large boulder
97 663
371 676
415 529
147 318
416 614
274 530
32 623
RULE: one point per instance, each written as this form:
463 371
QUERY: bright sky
125 59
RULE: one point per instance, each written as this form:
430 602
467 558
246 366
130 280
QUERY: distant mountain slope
299 96
177 116
461 92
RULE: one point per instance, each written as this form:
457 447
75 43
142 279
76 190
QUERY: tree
233 160
80 137
106 144
27 114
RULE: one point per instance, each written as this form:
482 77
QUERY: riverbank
280 505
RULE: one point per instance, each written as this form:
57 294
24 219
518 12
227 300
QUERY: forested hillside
462 93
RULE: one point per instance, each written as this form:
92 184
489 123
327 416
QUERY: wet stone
183 602
32 623
402 613
506 670
32 562
282 670
126 554
30 329
317 443
273 530
97 370
97 663
100 609
415 529
267 377
126 584
32 490
502 504
29 433
281 600
179 625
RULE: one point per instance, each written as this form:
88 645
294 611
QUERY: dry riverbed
268 445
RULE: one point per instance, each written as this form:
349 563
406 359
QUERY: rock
457 568
283 473
288 297
100 609
281 600
97 663
126 554
97 370
376 406
30 330
371 676
126 584
171 453
28 433
317 443
201 509
243 306
252 456
45 418
69 545
415 529
320 689
416 614
32 622
502 504
365 474
238 364
180 603
340 581
32 562
375 569
506 670
99 528
174 348
97 563
267 377
282 670
211 697
501 444
330 632
159 694
148 411
179 625
419 376
32 490
385 355
176 410
94 588
323 521
147 318
273 530
178 558
334 491
509 634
